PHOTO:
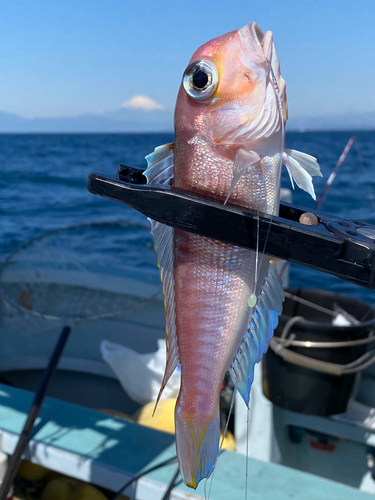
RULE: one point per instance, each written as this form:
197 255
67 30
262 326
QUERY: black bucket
303 390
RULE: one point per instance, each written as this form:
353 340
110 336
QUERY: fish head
232 91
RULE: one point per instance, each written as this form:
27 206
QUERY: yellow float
163 420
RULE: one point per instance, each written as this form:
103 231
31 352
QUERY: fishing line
211 478
256 263
247 450
312 305
275 207
207 495
334 314
258 266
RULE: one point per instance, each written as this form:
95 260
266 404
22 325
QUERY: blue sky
89 56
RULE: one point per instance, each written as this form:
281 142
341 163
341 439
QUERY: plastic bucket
304 390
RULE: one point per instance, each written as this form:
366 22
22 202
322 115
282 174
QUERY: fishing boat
85 429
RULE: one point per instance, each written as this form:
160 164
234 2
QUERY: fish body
222 301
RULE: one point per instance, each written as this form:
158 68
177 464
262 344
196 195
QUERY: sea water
43 186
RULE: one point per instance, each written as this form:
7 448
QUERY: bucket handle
280 347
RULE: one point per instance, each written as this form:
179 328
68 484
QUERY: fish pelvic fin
263 322
243 161
160 171
301 168
197 442
162 387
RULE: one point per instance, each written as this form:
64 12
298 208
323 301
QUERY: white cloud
142 102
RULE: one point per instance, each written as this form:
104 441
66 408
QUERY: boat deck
108 451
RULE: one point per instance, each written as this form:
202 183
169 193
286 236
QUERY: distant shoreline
125 121
169 132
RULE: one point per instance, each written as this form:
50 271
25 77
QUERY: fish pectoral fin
301 168
160 165
263 322
244 160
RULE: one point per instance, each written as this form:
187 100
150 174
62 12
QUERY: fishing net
103 273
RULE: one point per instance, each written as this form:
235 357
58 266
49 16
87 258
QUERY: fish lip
256 32
252 37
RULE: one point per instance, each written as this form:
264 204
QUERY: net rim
50 232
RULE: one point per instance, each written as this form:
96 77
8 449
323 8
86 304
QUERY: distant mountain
348 121
124 120
10 122
136 120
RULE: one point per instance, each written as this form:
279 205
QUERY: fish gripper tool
342 247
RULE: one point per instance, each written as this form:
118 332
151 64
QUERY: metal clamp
336 246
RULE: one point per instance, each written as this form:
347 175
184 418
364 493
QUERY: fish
222 302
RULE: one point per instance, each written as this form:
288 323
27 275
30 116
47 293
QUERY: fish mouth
252 37
256 32
249 121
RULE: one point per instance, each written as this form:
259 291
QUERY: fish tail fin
197 441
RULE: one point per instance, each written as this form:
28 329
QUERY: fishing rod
331 178
334 245
26 433
328 184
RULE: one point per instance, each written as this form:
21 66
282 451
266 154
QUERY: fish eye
200 80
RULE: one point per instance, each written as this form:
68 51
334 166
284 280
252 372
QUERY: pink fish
222 302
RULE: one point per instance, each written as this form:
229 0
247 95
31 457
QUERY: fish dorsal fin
160 171
263 322
301 167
